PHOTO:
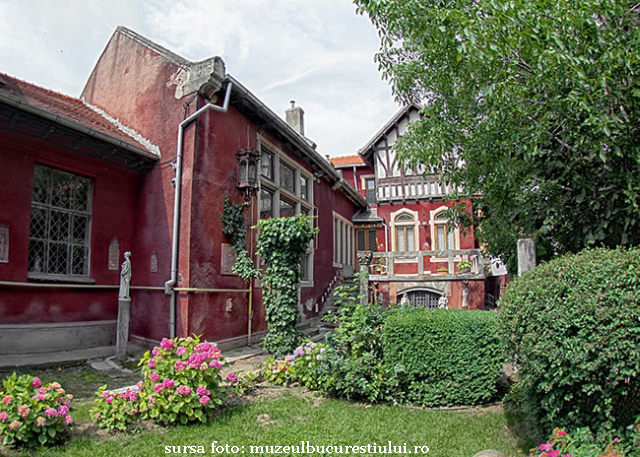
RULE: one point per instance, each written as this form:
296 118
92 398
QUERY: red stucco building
85 180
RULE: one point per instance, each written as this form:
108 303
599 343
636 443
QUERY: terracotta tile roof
65 106
347 161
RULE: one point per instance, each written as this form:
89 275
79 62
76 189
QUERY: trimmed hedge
574 326
445 357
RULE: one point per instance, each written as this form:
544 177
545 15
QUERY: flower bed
33 414
181 384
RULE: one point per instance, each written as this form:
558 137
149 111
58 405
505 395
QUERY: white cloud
317 52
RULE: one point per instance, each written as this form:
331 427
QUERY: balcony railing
411 187
427 265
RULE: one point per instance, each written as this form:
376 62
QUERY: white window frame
301 205
343 247
433 223
394 225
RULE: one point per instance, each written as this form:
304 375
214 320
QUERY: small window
445 238
370 186
266 204
287 178
59 232
304 268
266 164
304 188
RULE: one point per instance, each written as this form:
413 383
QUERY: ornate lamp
248 159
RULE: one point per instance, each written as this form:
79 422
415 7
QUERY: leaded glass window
266 164
266 204
59 232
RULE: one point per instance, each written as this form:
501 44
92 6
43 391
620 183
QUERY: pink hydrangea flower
40 421
3 416
40 397
202 390
96 416
204 366
204 399
546 447
567 455
307 351
36 383
154 351
318 357
154 376
215 364
616 440
179 366
23 410
151 363
158 388
166 344
299 351
140 385
168 383
322 350
231 377
109 400
68 420
561 433
14 425
554 453
55 385
7 400
184 390
152 399
181 350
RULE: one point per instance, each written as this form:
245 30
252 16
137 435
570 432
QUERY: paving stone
489 453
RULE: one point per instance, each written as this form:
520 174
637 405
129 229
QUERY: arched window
444 236
405 232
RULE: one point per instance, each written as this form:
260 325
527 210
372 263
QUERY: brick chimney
295 118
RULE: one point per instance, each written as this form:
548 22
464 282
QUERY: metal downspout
169 285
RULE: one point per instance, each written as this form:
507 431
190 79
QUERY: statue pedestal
122 331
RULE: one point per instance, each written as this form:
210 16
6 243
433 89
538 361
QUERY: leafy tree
532 109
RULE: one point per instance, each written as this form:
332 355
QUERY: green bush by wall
449 357
574 326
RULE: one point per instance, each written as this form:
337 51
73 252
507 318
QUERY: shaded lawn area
292 418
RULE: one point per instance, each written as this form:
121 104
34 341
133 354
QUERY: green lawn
293 418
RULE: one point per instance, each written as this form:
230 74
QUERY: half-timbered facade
416 253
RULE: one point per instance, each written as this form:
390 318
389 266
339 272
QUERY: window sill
43 277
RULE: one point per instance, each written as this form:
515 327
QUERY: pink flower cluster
184 390
231 377
23 411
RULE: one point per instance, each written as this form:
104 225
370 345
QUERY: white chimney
295 118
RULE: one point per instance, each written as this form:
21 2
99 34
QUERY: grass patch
293 418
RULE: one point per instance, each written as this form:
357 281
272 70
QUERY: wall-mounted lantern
248 159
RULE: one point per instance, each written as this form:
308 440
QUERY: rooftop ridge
164 52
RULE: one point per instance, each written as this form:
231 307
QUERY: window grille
423 298
59 233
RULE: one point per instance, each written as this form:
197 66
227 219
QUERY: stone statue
405 300
465 296
443 303
125 277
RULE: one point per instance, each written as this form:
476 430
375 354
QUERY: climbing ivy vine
235 228
281 244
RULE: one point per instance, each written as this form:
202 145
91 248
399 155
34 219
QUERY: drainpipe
355 178
169 285
386 236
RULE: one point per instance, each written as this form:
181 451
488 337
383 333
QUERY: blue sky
317 52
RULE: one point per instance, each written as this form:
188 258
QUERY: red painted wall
113 215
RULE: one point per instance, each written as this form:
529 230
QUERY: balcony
411 188
427 265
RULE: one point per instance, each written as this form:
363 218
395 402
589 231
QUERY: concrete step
55 358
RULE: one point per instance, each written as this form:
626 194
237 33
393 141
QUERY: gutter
298 141
169 286
77 127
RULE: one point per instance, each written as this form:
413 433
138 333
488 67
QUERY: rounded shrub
444 357
573 327
33 414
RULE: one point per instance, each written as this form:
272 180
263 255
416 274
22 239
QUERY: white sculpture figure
125 277
405 299
443 303
465 296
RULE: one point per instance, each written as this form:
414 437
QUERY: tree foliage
531 107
